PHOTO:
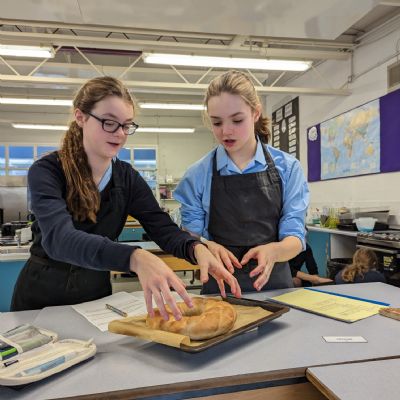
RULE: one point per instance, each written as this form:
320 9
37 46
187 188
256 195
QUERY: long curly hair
83 197
363 261
238 83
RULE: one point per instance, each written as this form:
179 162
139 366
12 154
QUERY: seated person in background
363 269
301 278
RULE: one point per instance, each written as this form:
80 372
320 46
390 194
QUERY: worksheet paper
329 305
97 314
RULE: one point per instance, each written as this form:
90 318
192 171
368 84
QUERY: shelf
168 184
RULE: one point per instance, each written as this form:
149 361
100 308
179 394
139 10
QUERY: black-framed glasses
111 126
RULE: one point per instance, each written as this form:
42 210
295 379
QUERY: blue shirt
105 178
194 190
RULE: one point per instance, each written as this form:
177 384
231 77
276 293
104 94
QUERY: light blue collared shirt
194 190
106 178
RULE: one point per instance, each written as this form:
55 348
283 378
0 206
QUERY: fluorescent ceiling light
41 102
166 130
226 62
42 127
26 51
172 106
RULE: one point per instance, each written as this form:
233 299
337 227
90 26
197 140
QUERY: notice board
285 128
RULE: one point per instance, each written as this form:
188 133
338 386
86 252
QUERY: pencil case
38 354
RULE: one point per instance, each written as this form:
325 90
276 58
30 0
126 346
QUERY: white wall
361 191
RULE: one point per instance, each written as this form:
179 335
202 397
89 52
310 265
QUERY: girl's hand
156 279
210 265
266 255
318 280
223 255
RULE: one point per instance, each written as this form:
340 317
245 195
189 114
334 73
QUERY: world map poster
360 141
350 143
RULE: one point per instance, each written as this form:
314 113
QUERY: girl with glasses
81 196
246 199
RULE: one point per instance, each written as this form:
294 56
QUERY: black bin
335 265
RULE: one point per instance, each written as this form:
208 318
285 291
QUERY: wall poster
361 141
285 128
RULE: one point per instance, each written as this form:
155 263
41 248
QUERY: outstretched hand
157 279
224 256
210 265
266 256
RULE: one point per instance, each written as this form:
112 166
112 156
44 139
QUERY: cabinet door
131 234
9 272
320 245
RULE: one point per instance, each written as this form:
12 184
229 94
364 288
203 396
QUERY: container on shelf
365 224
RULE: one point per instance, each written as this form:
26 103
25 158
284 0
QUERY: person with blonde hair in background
245 199
81 196
362 269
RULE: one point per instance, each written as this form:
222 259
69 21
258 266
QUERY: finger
235 288
231 281
247 257
203 274
149 302
227 262
257 270
234 260
160 304
263 278
221 286
180 288
170 300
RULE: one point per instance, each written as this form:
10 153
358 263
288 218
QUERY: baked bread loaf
208 318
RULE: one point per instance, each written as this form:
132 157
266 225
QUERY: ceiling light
166 130
172 106
26 51
41 102
43 127
226 62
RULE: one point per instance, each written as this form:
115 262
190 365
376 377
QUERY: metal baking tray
276 309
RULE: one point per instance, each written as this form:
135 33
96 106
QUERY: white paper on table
97 314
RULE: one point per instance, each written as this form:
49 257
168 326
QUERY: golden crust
208 318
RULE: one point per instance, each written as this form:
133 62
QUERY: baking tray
276 309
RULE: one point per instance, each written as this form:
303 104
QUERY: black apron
245 211
45 282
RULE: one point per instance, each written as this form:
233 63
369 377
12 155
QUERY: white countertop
317 228
14 253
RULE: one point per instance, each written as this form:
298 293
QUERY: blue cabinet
320 245
130 234
330 244
9 271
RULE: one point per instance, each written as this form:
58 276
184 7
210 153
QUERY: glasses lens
130 129
110 125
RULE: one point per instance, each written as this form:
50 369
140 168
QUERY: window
20 158
145 161
44 150
2 160
144 158
125 155
15 160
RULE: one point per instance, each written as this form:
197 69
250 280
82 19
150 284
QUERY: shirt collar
223 160
105 179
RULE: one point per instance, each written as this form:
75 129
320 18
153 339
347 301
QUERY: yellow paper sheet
329 305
